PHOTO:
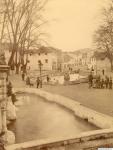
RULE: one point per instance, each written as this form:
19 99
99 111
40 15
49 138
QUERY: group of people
27 79
100 82
38 82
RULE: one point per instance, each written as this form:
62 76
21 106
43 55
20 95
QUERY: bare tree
103 37
20 20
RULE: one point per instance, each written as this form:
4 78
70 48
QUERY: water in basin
39 119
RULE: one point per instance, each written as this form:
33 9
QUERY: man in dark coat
23 76
110 83
90 78
107 81
37 82
48 79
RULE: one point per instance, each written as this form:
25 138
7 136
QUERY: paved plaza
100 100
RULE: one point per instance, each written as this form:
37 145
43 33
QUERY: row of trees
103 37
20 26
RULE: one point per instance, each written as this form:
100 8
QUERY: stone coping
58 141
100 120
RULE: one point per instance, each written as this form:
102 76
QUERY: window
46 60
45 53
39 54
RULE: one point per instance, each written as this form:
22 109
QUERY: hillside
85 50
44 49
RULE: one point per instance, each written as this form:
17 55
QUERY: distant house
49 57
46 56
92 63
67 62
79 59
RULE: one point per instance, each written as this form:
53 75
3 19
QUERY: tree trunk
13 51
111 62
11 59
17 68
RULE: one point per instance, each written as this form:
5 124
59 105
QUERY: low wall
98 119
87 140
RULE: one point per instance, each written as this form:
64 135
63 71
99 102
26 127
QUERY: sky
73 22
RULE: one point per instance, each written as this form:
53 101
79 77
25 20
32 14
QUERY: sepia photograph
56 74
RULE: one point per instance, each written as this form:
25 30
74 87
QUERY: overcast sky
72 22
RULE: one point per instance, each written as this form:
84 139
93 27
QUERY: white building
48 61
77 60
92 64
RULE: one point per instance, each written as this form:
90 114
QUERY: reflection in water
38 119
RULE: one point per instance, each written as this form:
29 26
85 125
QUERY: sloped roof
44 49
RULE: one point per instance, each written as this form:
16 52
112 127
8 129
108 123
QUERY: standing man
107 81
48 78
37 82
23 76
110 83
92 71
90 78
103 72
28 80
102 83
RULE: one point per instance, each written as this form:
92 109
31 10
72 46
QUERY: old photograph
56 74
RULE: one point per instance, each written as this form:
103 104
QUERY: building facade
79 60
48 61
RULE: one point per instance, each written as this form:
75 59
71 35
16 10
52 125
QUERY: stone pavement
100 100
16 81
98 119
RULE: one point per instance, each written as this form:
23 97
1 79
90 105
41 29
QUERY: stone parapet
7 136
98 119
87 140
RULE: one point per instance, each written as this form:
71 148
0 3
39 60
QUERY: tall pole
40 68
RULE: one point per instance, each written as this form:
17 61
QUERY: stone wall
84 141
6 136
100 120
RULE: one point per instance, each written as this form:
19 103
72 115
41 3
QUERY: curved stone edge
98 119
92 138
8 138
